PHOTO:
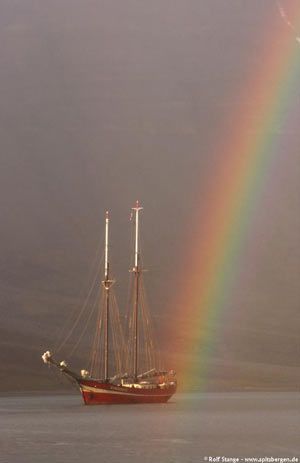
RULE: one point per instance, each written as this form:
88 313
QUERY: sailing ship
128 383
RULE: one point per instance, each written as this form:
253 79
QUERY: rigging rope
84 330
83 307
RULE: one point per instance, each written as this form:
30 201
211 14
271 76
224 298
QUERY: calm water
61 429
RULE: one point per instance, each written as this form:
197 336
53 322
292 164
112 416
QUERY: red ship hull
98 392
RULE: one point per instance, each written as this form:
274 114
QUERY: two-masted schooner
130 384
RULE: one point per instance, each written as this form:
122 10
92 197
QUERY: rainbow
214 261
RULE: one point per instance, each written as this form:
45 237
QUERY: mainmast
137 272
107 284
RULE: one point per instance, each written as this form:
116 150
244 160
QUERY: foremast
107 282
137 272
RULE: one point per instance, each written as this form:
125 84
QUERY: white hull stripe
108 391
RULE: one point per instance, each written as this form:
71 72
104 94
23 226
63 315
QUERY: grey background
104 102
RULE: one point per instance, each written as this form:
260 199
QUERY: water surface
60 429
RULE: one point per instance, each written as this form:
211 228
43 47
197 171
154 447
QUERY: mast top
137 207
106 257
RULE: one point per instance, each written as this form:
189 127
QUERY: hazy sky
107 101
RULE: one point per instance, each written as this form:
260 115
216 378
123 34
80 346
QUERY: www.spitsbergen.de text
224 459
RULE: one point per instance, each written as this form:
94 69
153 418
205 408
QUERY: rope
93 271
82 310
83 331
